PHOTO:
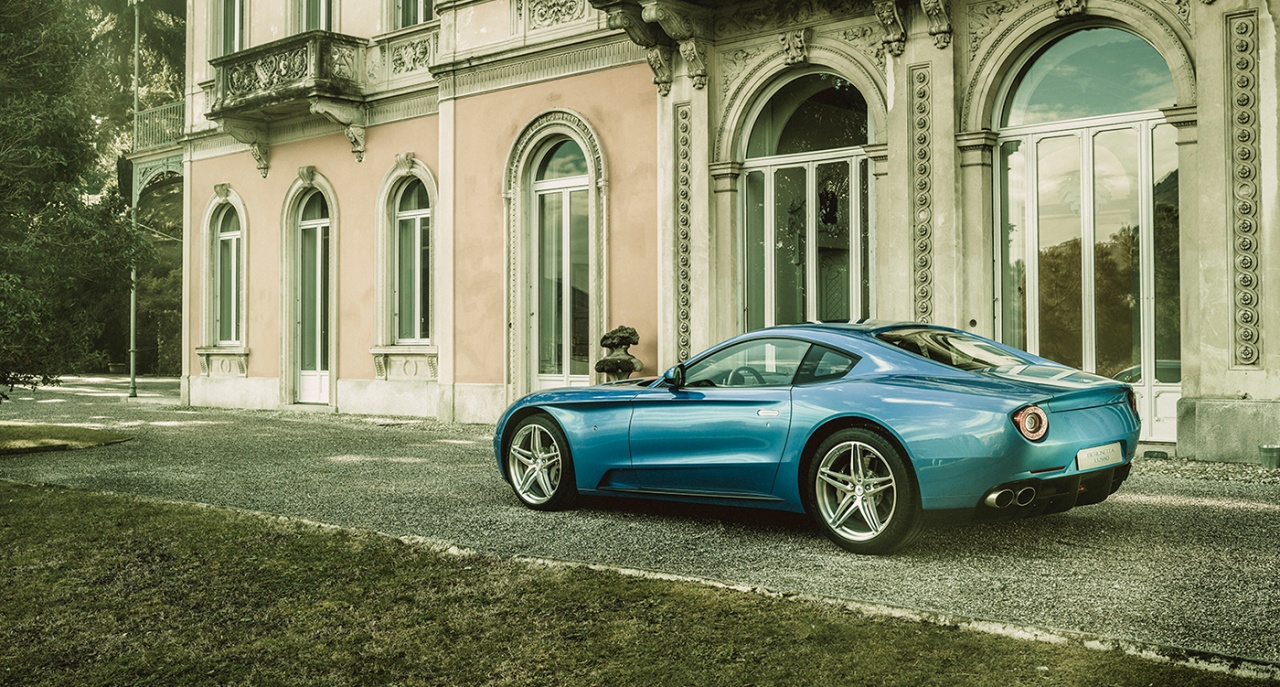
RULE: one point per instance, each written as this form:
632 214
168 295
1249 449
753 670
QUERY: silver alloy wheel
534 464
855 491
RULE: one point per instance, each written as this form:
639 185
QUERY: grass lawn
112 590
27 437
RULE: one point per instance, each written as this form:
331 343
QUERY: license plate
1100 457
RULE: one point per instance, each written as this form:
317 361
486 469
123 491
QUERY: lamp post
133 216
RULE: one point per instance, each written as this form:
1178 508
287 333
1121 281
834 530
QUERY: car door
723 432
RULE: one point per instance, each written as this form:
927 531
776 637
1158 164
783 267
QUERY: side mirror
674 377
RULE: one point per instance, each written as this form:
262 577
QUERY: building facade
400 208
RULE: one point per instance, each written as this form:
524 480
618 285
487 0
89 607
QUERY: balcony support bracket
349 116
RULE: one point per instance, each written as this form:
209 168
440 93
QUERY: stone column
726 265
977 236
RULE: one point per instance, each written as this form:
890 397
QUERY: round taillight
1032 422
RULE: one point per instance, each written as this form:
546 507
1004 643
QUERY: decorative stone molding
406 363
984 18
868 40
350 116
148 171
413 56
939 21
1069 8
307 175
922 190
694 52
223 361
732 64
404 163
660 58
546 13
766 16
1246 167
253 135
895 36
795 45
684 229
977 148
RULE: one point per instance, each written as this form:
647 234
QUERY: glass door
560 271
313 302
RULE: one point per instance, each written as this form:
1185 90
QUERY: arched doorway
312 302
1088 231
560 268
807 205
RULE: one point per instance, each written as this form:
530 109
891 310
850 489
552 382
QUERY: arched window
560 266
807 205
1088 183
412 316
226 290
313 300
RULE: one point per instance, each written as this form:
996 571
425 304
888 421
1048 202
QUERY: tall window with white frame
226 258
312 301
412 12
315 14
1088 214
412 315
560 268
807 205
231 25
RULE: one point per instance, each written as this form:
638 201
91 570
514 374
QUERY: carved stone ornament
222 191
404 163
939 21
866 39
350 117
1245 117
694 52
684 229
307 175
795 45
660 58
922 190
544 13
1069 8
252 134
412 56
895 36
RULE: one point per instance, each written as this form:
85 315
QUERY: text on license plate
1099 457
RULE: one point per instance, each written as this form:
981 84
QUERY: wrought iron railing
157 127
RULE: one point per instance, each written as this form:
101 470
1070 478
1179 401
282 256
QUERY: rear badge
1100 457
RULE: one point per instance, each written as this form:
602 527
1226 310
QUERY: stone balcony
317 73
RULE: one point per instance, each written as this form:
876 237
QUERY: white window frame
564 187
859 173
425 12
236 238
421 272
237 23
327 13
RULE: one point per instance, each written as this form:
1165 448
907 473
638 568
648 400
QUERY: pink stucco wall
620 104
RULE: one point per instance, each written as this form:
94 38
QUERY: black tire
871 510
539 466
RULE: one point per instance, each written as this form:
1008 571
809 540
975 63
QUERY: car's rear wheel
539 465
862 493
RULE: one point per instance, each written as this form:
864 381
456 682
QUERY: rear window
957 349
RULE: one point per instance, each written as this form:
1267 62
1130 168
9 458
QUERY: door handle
767 413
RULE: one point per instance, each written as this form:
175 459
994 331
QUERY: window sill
223 361
409 362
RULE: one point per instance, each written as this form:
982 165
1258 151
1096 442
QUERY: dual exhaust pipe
1004 498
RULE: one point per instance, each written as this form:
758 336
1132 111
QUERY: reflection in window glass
227 291
790 246
754 276
768 362
550 284
564 160
1080 75
1116 251
1013 245
411 12
1168 302
1061 259
579 327
812 113
413 264
833 234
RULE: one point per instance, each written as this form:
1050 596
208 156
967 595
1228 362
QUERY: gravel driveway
1185 555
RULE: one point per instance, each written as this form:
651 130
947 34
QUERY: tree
65 237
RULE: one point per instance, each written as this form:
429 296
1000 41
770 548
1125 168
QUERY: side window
822 364
411 12
765 362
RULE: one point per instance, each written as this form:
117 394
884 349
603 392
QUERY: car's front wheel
862 493
539 465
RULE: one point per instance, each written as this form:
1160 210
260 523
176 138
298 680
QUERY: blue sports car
866 427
